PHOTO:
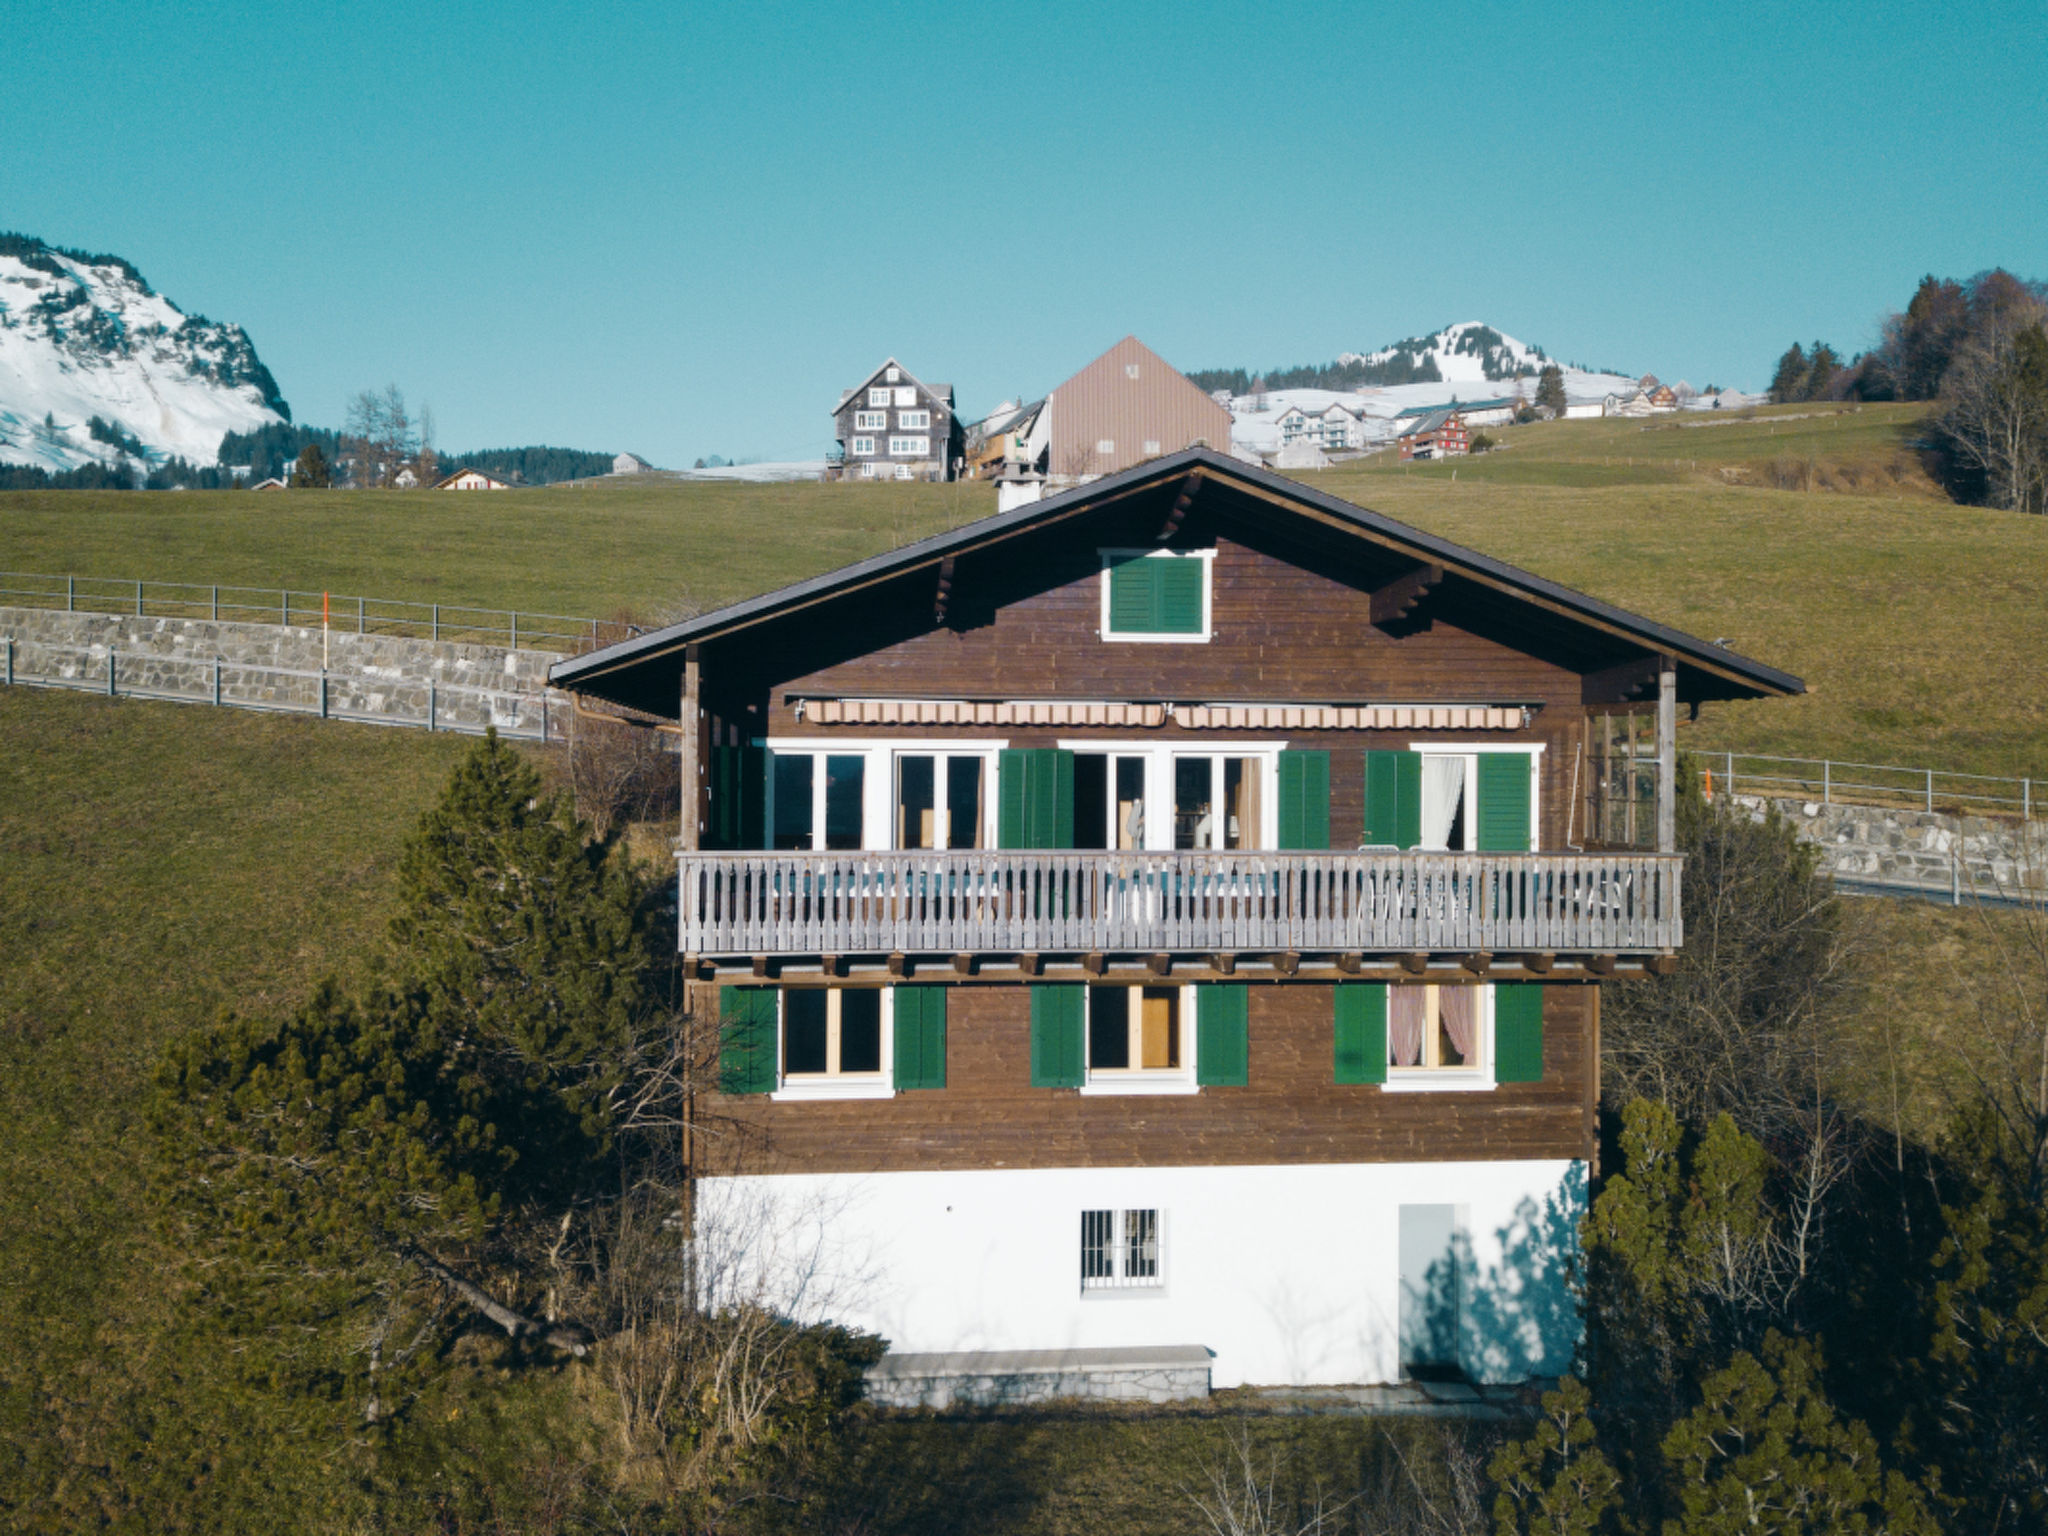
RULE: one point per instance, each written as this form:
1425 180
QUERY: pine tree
1550 390
312 472
1789 382
1822 364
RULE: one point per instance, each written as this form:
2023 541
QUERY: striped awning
1150 716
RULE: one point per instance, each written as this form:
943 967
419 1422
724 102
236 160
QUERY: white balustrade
1010 901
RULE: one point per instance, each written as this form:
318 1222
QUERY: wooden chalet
1439 434
894 426
1171 916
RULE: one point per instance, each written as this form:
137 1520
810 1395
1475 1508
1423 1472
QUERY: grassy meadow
1806 536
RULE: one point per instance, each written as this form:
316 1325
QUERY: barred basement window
1119 1250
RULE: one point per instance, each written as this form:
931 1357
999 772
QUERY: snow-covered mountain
1468 352
84 336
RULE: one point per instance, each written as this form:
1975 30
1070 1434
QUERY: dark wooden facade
860 419
1290 1109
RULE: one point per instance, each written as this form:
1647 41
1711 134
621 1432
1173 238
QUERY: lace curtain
1443 787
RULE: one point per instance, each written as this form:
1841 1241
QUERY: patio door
941 800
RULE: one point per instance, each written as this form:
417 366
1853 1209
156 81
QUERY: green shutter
1503 796
1518 1032
1177 588
739 788
1304 799
746 1040
1035 798
1133 596
1361 1026
920 1037
1156 594
1058 1034
1222 1036
1393 799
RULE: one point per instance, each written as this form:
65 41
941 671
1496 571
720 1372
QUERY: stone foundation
1920 850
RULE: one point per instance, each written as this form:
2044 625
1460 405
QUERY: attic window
1156 595
893 375
1130 370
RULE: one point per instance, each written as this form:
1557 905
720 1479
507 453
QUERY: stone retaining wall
393 678
1921 849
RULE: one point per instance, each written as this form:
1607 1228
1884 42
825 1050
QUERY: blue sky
682 230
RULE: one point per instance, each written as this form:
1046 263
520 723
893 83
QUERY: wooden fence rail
966 902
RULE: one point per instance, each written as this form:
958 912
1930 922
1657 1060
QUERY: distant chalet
894 426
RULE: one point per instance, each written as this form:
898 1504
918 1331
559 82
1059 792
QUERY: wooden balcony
737 905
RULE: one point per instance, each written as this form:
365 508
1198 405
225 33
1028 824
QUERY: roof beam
944 594
1400 597
1625 683
1181 503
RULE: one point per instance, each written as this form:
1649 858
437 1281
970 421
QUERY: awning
1151 716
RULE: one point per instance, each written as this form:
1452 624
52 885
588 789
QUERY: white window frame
863 447
893 374
905 472
837 1085
913 421
1470 751
1119 1283
1158 758
990 759
1108 1082
910 447
907 395
867 471
1475 1078
870 421
878 397
1112 557
878 779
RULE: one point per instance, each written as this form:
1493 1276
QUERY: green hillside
1906 615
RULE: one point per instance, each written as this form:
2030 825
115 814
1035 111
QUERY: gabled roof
1435 421
1459 405
1718 672
943 393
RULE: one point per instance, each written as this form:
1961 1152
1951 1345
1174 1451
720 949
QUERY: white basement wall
1290 1275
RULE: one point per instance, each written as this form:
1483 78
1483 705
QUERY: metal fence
423 704
1881 784
309 610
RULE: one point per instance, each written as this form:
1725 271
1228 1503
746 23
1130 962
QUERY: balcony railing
736 904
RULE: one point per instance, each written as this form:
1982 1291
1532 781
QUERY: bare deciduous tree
1996 422
380 436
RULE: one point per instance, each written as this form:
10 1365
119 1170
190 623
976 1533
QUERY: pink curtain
1458 1007
1407 1013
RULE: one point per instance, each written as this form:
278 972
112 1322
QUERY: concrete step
1165 1373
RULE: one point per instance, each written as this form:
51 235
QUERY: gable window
910 447
878 396
863 446
1156 595
816 801
893 375
1105 446
1121 1249
907 395
1151 447
914 421
871 421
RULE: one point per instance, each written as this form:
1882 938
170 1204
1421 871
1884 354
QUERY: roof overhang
1733 675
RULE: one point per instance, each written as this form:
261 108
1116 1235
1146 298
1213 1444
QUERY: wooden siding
1290 1111
946 432
1104 403
1282 632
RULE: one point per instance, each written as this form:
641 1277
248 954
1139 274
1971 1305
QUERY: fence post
1930 789
1827 782
359 615
1731 775
543 697
138 599
216 603
216 682
437 621
70 593
430 705
323 693
10 661
515 630
2026 785
110 671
